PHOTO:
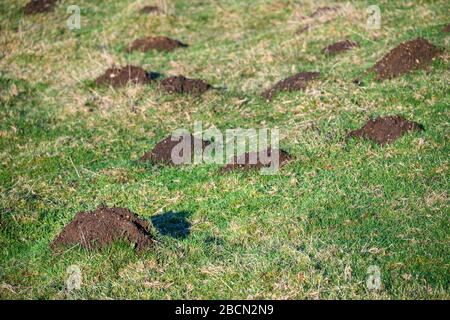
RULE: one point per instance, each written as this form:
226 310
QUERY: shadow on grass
172 224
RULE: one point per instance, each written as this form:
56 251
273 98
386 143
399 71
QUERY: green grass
310 231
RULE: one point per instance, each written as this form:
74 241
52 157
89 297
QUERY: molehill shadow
173 224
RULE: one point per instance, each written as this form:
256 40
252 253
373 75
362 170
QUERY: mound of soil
162 152
96 229
447 28
150 9
405 57
340 47
242 162
118 77
39 6
324 10
320 16
156 43
181 84
294 83
384 130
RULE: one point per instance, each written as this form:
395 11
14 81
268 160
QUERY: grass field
309 232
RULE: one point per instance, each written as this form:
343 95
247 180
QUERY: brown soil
162 152
303 29
150 9
181 84
320 16
118 77
156 43
340 47
447 28
40 6
384 130
294 83
407 56
245 158
96 229
324 10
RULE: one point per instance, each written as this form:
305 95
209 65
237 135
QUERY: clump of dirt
320 16
40 6
162 152
96 229
294 83
118 77
447 28
324 10
243 162
384 130
405 57
156 43
181 84
150 9
340 46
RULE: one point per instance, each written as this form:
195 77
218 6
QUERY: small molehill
340 47
181 84
150 9
118 77
414 54
102 227
324 10
156 43
384 130
294 83
39 6
162 152
319 16
446 29
247 161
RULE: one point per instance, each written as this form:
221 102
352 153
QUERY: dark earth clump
340 47
384 130
242 162
40 6
447 28
324 10
181 84
162 152
156 43
102 227
294 83
150 9
118 77
405 57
